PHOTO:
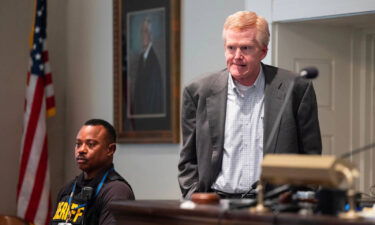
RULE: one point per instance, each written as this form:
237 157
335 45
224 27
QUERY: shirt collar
94 181
145 54
258 84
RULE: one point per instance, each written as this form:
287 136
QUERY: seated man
86 199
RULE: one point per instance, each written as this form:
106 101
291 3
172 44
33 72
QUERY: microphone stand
260 208
357 151
306 73
282 109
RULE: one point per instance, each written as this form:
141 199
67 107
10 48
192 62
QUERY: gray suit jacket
203 121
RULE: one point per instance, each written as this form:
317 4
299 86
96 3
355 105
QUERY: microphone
309 72
87 193
252 189
306 73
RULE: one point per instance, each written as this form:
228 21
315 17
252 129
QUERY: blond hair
243 20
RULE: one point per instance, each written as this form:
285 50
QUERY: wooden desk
169 212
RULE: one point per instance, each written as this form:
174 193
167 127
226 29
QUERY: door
342 88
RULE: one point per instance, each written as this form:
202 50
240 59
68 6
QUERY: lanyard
100 185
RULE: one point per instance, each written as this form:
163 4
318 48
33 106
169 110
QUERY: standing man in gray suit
227 116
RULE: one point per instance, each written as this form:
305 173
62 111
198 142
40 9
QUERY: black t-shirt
92 210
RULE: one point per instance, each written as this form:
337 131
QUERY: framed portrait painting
146 70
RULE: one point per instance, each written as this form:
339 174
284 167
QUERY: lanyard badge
98 188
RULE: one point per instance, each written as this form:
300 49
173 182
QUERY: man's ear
111 149
264 52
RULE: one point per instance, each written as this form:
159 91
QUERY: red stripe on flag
50 102
45 56
40 177
48 78
31 128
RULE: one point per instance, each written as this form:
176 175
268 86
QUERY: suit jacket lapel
273 99
216 108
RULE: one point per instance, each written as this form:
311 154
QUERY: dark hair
110 129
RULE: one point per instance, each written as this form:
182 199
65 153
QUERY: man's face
93 150
145 35
243 54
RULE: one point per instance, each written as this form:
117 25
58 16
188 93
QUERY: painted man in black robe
148 85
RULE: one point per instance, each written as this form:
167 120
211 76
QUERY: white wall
14 61
283 10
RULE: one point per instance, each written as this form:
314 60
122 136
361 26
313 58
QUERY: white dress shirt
243 137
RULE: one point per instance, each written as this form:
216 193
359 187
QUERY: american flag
33 190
